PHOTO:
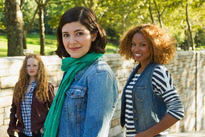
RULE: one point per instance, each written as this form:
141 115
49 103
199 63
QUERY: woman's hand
166 122
11 133
41 130
15 130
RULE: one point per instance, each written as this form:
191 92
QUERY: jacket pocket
76 99
140 93
76 92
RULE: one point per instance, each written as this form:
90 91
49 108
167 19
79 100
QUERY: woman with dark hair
87 96
150 102
32 98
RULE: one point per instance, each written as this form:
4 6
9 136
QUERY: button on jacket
90 102
39 111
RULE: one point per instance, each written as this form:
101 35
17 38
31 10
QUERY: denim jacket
90 102
148 109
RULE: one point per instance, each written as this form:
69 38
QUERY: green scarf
72 66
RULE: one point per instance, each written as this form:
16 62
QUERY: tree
159 14
190 37
41 5
14 24
29 13
151 12
121 15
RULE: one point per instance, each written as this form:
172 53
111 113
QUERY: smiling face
141 48
32 67
76 39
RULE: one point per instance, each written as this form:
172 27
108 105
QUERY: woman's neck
142 67
31 79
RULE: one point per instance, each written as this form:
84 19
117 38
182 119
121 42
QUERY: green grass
33 43
111 48
3 47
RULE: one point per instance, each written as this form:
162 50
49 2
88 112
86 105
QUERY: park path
183 134
188 134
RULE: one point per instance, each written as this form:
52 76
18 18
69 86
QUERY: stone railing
187 71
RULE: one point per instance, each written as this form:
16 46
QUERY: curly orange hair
23 81
163 45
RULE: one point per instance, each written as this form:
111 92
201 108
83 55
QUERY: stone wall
187 70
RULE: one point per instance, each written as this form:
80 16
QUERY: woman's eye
133 44
79 33
65 35
142 45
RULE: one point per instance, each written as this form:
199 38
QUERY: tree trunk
14 24
24 40
150 12
158 15
189 28
187 43
26 29
42 30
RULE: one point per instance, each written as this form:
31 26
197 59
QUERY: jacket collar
83 71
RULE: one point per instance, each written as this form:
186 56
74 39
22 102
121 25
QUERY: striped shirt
162 86
26 110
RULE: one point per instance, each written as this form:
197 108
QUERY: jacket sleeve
163 86
13 118
102 97
51 94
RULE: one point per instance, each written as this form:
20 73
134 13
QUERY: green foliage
117 16
2 18
200 38
33 43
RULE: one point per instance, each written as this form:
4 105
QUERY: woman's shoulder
99 66
160 67
50 85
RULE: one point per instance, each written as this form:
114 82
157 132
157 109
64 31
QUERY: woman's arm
102 98
51 94
13 119
163 86
166 122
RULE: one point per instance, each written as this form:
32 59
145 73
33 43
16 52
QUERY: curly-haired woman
150 102
32 98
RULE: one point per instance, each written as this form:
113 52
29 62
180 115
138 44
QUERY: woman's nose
136 48
72 40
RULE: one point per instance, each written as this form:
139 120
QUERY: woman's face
141 48
76 39
32 67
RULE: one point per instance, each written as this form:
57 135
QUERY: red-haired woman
32 98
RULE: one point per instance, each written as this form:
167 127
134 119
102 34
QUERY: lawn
33 43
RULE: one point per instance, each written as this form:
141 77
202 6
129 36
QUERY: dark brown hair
87 18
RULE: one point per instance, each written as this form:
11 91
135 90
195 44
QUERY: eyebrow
75 30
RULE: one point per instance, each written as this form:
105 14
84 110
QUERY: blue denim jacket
90 102
148 109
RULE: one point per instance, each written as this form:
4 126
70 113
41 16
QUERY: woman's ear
94 36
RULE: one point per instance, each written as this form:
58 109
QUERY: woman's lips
138 55
74 49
